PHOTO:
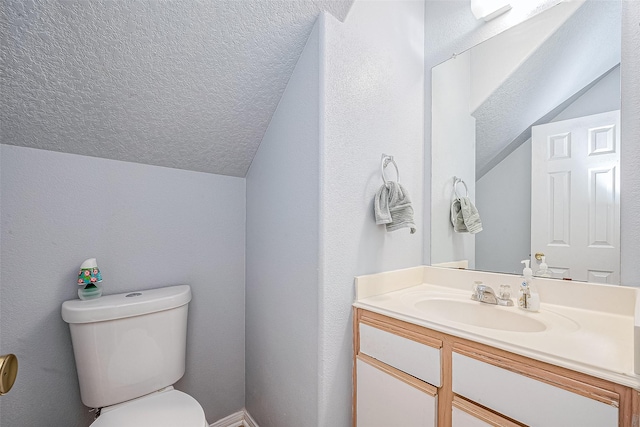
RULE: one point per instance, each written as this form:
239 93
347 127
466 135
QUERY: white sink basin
479 314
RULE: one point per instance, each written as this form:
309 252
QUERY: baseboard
233 420
248 421
238 419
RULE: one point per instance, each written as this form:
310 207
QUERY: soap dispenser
528 297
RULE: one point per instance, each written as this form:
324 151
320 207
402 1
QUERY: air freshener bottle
89 277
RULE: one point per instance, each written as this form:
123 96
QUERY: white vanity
425 354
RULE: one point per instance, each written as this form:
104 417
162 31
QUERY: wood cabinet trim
483 414
549 376
402 376
446 393
629 407
632 413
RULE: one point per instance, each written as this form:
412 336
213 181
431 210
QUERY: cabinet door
385 398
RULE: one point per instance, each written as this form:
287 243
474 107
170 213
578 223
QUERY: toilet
129 351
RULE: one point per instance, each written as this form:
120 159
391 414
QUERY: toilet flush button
133 294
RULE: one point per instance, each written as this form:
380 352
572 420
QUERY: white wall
282 256
372 103
454 154
357 92
149 227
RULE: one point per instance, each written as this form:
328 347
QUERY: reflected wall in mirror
555 77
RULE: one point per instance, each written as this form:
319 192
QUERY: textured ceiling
184 84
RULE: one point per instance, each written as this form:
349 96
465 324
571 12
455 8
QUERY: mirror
505 114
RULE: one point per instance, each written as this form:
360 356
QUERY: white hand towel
465 217
456 217
392 206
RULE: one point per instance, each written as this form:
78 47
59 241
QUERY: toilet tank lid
127 304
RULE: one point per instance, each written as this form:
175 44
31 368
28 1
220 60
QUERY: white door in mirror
575 197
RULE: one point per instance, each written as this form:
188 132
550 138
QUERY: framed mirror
528 122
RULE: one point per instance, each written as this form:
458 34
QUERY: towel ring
384 163
457 181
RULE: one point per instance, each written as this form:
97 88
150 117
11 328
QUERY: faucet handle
478 291
505 292
504 296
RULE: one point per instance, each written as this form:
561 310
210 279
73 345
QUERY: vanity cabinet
408 375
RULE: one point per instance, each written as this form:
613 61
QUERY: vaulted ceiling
183 84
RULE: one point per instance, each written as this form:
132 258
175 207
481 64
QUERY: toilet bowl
129 350
165 408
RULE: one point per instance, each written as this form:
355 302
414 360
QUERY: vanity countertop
588 328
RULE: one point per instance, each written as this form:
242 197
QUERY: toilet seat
170 408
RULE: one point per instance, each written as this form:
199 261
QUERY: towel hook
457 181
384 163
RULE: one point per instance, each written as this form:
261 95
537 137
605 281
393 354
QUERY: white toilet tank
128 345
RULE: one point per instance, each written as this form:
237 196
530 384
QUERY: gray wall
503 199
283 194
630 150
602 97
148 227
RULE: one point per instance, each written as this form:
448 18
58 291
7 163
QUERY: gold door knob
8 372
539 256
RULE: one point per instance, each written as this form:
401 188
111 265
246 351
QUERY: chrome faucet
487 295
